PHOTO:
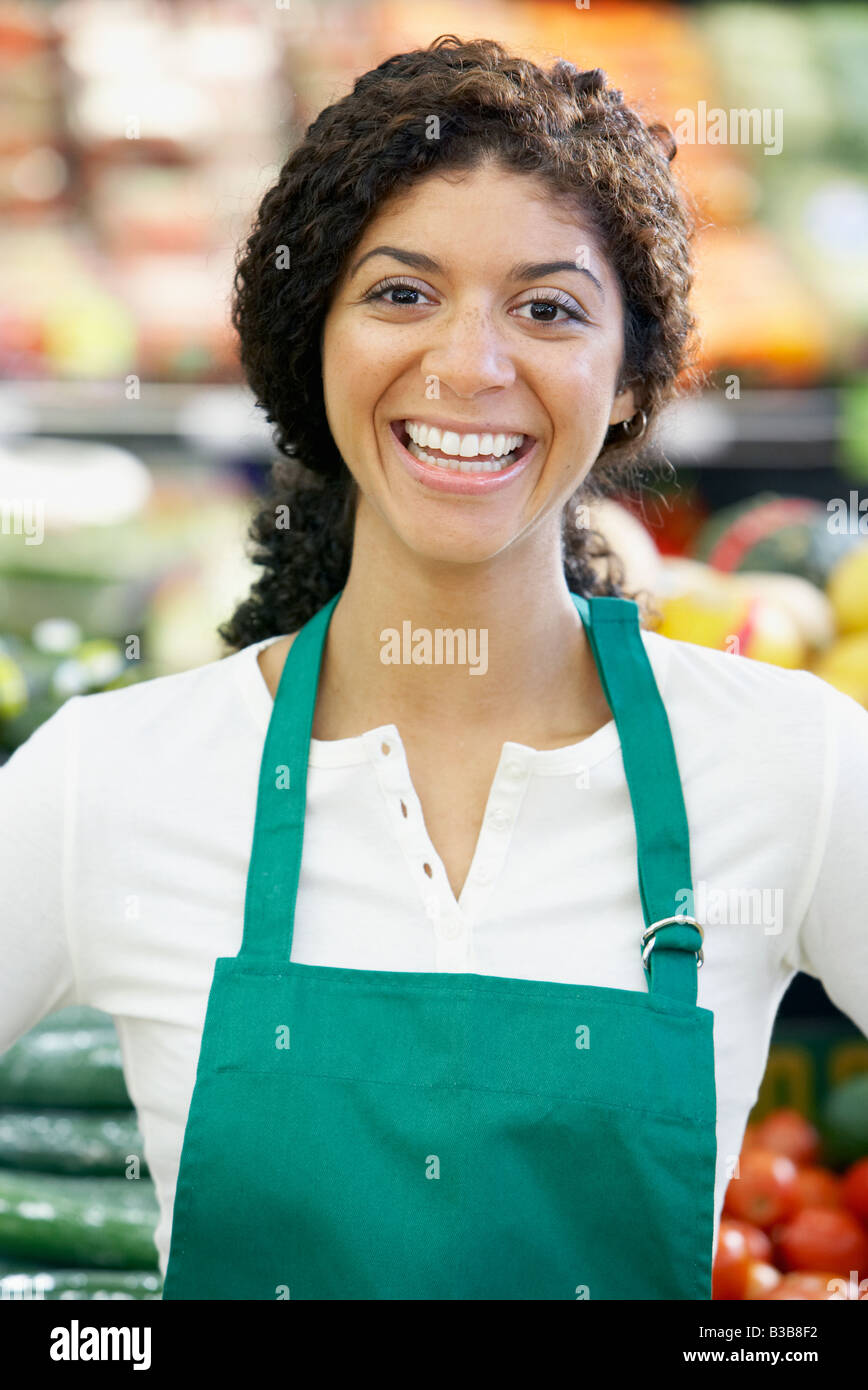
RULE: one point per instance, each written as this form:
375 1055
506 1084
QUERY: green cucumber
844 1121
39 1282
92 1142
106 1223
66 1067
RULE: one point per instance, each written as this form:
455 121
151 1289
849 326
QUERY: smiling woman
483 300
466 291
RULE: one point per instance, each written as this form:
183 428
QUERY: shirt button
500 818
514 769
483 875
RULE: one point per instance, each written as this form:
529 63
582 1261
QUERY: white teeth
456 465
463 446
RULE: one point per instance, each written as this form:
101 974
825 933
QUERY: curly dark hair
566 126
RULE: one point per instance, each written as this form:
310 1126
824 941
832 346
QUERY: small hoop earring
629 426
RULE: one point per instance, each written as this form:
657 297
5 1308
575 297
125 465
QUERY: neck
522 666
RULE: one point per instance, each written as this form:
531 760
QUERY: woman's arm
833 939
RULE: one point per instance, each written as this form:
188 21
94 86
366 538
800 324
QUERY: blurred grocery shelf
215 417
761 429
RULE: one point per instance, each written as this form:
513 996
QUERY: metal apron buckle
649 935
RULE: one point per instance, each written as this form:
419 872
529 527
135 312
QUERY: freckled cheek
344 386
357 374
578 404
358 368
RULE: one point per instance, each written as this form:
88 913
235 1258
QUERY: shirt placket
451 922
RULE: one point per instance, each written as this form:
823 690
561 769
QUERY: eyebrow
525 270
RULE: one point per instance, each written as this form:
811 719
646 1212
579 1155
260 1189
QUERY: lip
463 484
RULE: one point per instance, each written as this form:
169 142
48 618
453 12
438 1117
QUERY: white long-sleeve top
126 823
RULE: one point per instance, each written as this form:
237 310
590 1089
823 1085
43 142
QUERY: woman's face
460 326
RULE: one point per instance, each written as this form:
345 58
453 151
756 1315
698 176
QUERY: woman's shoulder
747 703
728 671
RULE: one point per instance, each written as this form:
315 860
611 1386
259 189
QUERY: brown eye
386 287
551 303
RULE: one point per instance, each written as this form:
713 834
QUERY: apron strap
671 953
278 832
612 625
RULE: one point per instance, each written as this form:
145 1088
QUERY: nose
468 354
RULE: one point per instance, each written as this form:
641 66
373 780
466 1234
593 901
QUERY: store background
136 140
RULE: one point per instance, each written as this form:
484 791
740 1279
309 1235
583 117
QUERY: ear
623 407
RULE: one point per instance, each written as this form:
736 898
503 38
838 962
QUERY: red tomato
731 1262
854 1189
807 1284
787 1132
765 1190
762 1277
759 1246
823 1238
750 1140
818 1187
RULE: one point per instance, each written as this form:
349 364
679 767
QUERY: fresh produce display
699 607
70 1141
766 1191
113 263
769 579
39 674
818 1187
131 581
847 588
789 535
795 1217
845 665
41 1282
104 1222
640 561
833 1238
77 1205
64 1067
845 1120
116 261
812 202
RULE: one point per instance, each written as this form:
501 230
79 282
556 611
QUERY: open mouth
487 453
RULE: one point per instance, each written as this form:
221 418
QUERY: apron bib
379 1134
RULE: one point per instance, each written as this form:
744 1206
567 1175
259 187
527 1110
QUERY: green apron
390 1134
